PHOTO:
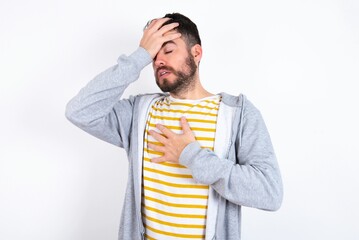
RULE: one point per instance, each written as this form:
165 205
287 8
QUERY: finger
158 159
158 136
156 147
171 36
157 23
148 24
167 28
164 130
185 126
155 143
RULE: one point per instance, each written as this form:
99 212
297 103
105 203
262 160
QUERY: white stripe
171 170
176 220
194 201
175 210
160 236
176 190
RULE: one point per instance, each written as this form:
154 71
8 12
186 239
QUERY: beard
184 79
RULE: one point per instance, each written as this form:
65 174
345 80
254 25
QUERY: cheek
180 63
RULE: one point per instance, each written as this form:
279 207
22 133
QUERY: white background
297 61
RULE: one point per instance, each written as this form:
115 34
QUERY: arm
97 108
253 179
251 176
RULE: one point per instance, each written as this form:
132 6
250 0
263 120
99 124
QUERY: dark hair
186 27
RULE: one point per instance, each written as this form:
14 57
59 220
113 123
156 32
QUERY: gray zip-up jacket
242 171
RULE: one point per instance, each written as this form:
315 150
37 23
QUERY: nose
159 60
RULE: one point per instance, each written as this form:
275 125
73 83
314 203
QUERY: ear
197 52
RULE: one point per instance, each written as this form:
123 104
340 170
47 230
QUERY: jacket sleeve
97 108
252 179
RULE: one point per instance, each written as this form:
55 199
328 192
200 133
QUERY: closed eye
168 52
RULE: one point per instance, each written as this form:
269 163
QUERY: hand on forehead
155 34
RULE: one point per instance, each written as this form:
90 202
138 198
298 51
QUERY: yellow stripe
174 224
175 195
204 139
166 163
149 238
175 204
167 173
174 234
174 214
178 119
175 184
154 143
152 152
181 111
217 101
180 128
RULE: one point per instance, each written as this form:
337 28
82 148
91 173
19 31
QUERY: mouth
161 73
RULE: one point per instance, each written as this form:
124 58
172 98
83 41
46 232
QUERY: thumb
185 125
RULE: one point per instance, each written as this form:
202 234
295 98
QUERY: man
194 157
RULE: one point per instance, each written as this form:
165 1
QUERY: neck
193 92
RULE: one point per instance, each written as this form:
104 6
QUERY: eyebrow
168 42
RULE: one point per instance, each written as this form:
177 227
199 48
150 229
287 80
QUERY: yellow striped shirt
174 206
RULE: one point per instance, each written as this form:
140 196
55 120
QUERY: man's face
174 67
